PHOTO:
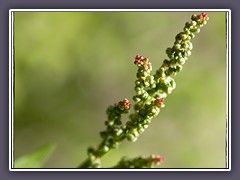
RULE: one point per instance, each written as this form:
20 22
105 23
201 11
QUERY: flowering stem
140 162
151 91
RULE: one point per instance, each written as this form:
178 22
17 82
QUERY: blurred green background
70 66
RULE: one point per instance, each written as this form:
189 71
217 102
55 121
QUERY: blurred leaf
35 159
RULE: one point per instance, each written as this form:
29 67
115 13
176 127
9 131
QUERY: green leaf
35 159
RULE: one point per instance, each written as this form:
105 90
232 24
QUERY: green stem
85 164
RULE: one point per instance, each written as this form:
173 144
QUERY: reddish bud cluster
159 102
158 160
204 16
126 103
139 60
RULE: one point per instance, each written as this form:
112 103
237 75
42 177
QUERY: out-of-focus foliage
69 66
35 159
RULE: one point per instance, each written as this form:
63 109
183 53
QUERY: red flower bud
139 60
126 103
138 57
159 102
158 159
204 16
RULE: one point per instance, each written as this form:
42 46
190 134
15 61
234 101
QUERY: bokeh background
70 66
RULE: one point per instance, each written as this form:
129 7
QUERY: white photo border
11 88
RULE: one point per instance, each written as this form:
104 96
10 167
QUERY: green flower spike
151 91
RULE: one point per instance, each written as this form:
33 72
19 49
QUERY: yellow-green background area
70 66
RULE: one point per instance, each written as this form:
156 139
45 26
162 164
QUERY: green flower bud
137 88
181 61
129 124
118 131
190 46
145 126
179 36
109 123
105 148
155 110
90 151
112 143
111 116
188 53
187 31
194 17
145 74
192 35
195 30
153 85
115 145
121 108
137 83
171 56
147 84
172 83
140 92
184 36
169 90
110 109
147 121
145 95
133 117
136 98
169 51
103 134
171 72
135 132
151 78
161 72
118 122
167 85
161 94
136 108
178 68
141 130
184 45
92 158
149 98
131 137
193 23
177 46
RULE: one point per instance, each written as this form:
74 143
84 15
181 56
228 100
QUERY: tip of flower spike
158 160
142 61
138 57
126 103
138 60
203 15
